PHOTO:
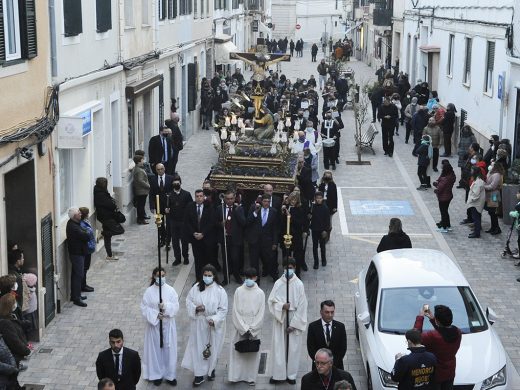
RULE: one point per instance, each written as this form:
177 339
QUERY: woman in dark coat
396 238
106 210
444 191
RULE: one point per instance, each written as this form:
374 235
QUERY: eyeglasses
321 363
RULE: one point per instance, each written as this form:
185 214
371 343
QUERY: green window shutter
72 17
2 34
103 15
192 87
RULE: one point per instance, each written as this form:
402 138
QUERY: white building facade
512 85
459 48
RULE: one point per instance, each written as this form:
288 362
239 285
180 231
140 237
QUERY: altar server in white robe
281 369
207 306
248 317
160 363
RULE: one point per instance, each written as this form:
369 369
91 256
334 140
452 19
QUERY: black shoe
173 382
176 262
459 186
316 265
273 381
439 225
489 230
334 167
83 297
386 154
157 382
473 235
199 380
324 263
496 231
304 267
405 142
518 279
291 381
465 221
161 244
390 154
87 288
186 261
337 161
147 217
212 376
80 303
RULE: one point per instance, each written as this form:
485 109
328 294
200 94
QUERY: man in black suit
231 221
262 235
326 375
176 142
199 225
327 333
122 365
178 201
161 184
160 150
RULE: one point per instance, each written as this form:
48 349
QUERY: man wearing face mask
491 153
314 137
248 318
160 363
295 306
298 121
329 132
160 148
176 205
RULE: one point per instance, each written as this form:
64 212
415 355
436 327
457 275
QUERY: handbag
247 345
119 217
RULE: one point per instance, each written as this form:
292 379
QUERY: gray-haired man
77 245
326 375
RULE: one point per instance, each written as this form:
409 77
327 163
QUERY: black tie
161 183
327 333
117 366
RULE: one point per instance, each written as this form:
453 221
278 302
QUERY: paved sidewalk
77 335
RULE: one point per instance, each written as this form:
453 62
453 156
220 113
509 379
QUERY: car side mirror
491 316
364 318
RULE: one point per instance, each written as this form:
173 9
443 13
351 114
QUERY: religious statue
266 129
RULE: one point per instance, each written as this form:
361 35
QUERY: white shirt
323 325
163 176
120 368
201 208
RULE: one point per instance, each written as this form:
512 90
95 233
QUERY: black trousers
447 143
492 211
176 232
374 112
107 237
329 157
86 267
421 172
445 216
77 273
313 57
435 157
388 139
203 254
263 252
477 220
446 385
408 130
317 239
140 202
233 258
468 212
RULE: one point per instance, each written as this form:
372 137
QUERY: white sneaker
112 258
442 230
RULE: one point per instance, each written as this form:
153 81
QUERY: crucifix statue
260 61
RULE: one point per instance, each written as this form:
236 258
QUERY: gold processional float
253 152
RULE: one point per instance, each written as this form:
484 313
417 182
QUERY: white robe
280 370
248 315
214 299
160 363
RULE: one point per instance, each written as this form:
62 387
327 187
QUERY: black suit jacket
156 150
155 190
256 233
332 195
131 370
207 223
338 341
238 223
312 380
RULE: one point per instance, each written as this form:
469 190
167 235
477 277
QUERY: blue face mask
249 282
162 281
207 280
290 272
310 129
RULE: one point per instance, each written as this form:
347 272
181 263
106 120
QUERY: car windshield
399 306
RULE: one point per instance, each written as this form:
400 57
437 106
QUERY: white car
390 293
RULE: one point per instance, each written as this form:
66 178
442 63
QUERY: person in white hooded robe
207 306
283 369
160 363
248 317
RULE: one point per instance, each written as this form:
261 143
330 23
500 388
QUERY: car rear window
398 308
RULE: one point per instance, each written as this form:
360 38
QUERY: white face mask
15 287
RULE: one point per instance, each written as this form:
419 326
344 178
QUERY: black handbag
119 217
247 345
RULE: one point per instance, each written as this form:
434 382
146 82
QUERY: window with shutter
190 7
103 15
162 9
201 8
2 35
195 8
490 63
172 9
73 23
467 62
192 86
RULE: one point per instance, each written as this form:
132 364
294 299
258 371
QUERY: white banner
70 133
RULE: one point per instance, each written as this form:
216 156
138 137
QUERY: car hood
480 355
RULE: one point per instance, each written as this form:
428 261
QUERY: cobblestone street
65 357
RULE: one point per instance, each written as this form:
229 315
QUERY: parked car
390 292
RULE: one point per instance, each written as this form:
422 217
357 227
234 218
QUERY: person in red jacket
443 341
443 189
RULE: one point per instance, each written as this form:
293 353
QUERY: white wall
311 15
283 15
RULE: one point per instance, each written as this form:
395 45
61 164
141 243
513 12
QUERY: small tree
361 104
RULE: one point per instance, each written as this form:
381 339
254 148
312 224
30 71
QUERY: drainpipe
52 28
121 30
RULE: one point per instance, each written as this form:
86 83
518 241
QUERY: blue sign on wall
380 207
87 121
